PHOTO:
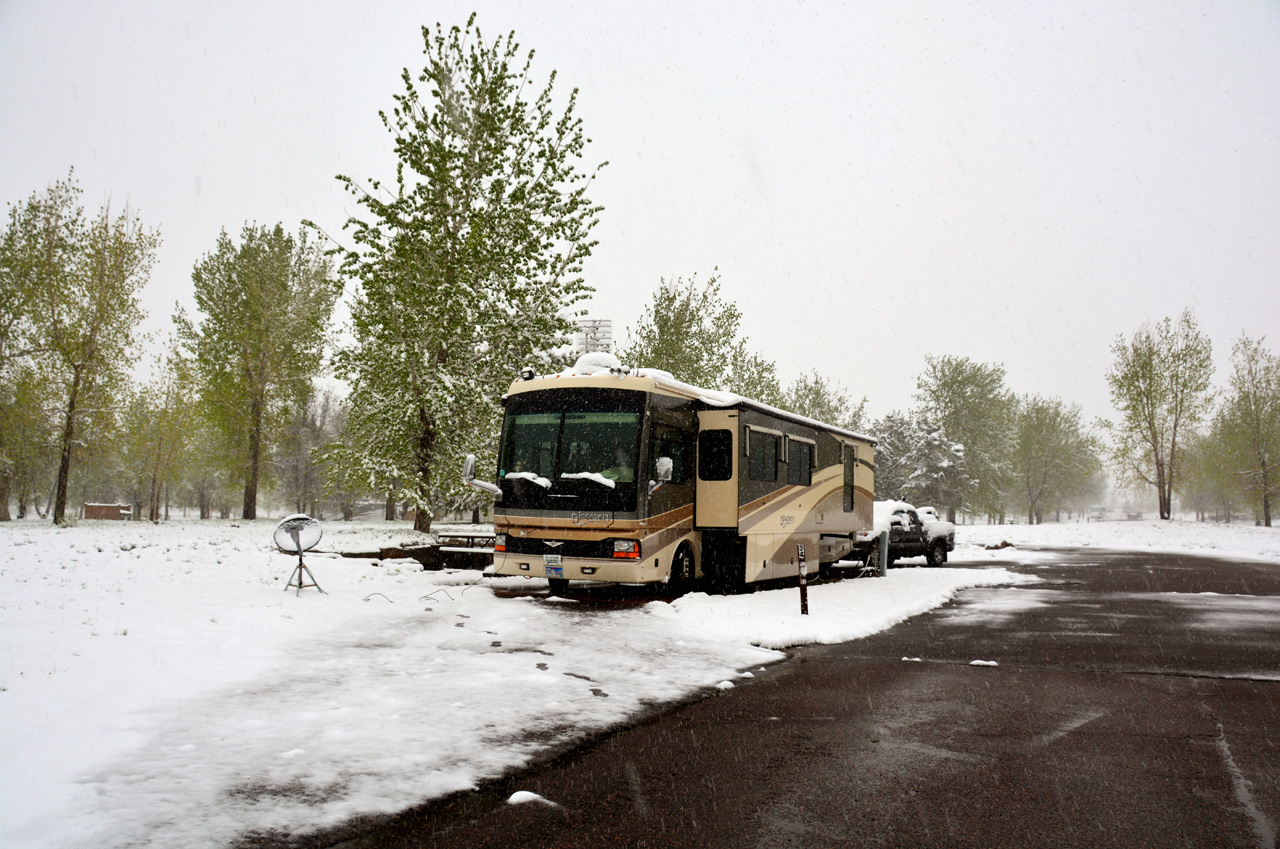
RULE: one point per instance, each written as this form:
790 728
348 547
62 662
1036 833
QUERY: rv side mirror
664 466
469 478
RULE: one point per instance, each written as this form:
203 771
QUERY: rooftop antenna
298 533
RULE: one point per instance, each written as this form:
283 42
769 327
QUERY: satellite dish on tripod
294 535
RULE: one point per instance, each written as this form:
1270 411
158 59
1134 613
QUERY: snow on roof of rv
603 364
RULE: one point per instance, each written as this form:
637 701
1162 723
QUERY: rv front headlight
628 549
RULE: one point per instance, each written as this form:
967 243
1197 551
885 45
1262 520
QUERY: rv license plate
554 571
551 560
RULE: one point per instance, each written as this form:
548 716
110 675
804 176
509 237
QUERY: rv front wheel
681 579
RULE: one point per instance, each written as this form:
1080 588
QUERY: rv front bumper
577 568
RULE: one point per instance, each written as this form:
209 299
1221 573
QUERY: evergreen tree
969 402
468 265
895 436
938 467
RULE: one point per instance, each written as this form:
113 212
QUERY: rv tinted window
850 468
762 465
800 467
715 455
674 443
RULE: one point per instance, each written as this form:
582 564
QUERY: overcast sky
1013 182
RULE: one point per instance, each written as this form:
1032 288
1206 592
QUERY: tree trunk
255 459
64 460
390 512
422 521
6 487
426 447
1266 500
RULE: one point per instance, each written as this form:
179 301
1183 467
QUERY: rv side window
715 455
850 467
762 464
671 442
800 465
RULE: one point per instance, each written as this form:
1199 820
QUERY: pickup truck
909 535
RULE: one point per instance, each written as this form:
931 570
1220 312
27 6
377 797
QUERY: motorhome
613 474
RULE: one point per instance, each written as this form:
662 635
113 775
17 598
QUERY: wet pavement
1124 700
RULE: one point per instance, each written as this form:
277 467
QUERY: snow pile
1235 540
158 686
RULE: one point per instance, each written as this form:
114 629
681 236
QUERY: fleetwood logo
583 518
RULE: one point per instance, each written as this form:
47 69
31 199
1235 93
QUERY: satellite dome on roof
595 362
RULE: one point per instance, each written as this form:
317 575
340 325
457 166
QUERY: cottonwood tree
343 482
1159 384
1209 482
812 395
264 308
1055 460
304 435
91 327
26 443
40 249
690 330
468 265
156 432
969 402
1250 422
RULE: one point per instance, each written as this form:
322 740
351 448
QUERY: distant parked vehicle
910 535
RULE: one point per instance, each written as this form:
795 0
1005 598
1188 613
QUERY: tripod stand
295 579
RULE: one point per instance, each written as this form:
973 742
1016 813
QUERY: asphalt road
1136 702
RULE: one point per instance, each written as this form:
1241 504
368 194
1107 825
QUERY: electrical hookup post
804 581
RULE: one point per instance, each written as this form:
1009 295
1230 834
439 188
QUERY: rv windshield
579 460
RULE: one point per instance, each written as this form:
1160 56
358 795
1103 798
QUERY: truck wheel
937 553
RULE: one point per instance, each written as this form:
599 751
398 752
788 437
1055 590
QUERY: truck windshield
578 460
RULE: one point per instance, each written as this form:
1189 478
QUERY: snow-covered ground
158 686
1234 540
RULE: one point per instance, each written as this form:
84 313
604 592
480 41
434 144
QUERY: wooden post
804 581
